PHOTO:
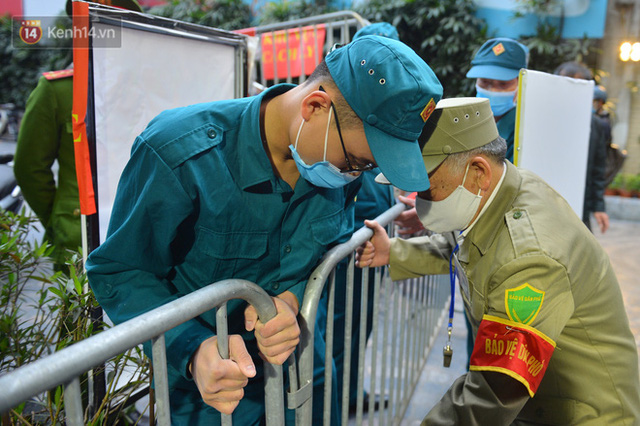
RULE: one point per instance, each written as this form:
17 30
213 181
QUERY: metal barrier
422 303
65 366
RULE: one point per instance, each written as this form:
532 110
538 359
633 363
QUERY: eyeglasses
350 168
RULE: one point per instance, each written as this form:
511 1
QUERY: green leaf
57 292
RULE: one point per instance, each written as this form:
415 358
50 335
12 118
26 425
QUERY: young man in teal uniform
258 189
552 339
495 67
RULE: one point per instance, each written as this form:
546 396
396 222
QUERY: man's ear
313 103
481 171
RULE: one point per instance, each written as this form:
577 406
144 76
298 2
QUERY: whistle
447 353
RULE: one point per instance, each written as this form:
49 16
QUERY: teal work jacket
198 202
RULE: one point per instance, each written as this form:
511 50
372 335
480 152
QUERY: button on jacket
529 234
197 203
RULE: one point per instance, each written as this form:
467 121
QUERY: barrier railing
404 347
65 366
405 319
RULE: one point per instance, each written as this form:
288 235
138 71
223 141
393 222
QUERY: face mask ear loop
465 174
465 178
298 135
326 135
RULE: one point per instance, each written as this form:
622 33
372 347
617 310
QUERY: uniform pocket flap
326 229
234 244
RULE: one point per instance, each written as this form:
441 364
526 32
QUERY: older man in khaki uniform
552 340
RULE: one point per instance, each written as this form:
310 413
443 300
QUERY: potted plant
614 186
624 190
633 183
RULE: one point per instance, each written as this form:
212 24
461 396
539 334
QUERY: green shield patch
523 303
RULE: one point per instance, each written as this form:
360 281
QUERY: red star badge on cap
498 49
426 112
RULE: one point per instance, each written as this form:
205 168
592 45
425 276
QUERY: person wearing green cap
552 339
45 137
258 189
496 67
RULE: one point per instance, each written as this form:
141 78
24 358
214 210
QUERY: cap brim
493 72
399 160
432 162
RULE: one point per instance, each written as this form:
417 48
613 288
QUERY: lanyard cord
452 278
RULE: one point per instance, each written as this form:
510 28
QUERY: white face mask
454 213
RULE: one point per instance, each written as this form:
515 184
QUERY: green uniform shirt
46 136
198 203
529 234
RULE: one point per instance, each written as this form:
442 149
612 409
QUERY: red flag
79 109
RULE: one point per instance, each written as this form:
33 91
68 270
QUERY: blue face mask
501 102
323 173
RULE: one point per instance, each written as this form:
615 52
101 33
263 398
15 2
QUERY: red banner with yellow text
296 46
511 348
79 109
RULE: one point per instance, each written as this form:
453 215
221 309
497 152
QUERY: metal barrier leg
394 350
161 380
328 358
386 379
348 323
223 347
374 357
73 403
364 302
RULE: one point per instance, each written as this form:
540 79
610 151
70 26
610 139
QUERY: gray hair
496 150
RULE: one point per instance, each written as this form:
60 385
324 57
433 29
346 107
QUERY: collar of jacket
484 232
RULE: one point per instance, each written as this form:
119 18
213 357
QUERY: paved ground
621 242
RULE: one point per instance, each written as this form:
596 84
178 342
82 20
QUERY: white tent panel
149 73
552 131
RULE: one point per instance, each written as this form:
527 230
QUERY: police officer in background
46 137
552 339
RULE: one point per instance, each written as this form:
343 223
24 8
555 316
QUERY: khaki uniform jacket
529 234
46 136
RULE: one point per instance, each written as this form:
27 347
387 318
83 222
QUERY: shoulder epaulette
55 75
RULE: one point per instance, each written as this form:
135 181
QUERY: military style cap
122 4
393 91
499 59
600 93
456 125
383 29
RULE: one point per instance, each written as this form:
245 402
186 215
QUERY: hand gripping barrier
408 320
65 366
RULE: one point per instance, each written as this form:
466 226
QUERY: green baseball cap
122 4
456 125
499 59
393 91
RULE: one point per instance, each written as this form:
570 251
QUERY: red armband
512 348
